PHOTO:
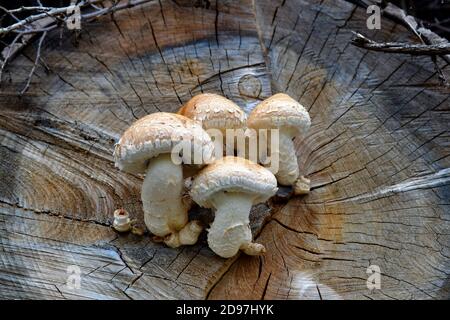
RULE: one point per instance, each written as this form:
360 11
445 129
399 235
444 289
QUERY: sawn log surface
377 155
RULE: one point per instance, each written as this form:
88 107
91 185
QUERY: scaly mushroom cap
214 111
156 134
280 111
233 174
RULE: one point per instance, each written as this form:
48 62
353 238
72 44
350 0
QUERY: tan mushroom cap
156 134
214 111
280 111
233 174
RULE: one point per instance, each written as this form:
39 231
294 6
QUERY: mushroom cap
214 111
155 134
280 111
233 174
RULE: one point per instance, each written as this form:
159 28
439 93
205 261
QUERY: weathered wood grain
377 155
59 186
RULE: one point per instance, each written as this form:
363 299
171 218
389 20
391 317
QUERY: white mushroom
215 112
232 185
146 147
284 113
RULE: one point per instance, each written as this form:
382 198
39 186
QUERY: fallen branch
425 36
51 12
399 47
47 19
407 20
432 38
19 42
38 57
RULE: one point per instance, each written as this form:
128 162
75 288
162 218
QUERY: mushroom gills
165 215
230 230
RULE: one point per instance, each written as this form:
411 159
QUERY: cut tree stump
377 155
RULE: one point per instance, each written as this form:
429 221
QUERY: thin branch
35 8
10 13
115 7
61 13
409 21
36 61
25 38
37 30
424 35
53 13
8 55
399 47
48 19
433 38
27 21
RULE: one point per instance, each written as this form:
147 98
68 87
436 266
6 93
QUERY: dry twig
44 19
431 44
38 56
398 47
424 35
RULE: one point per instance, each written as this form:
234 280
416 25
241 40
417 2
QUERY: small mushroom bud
231 186
284 113
122 222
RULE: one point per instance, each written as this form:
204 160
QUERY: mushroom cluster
229 185
146 147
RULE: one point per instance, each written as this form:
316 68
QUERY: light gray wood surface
377 155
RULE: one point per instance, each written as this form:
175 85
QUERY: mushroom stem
165 215
230 230
288 171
